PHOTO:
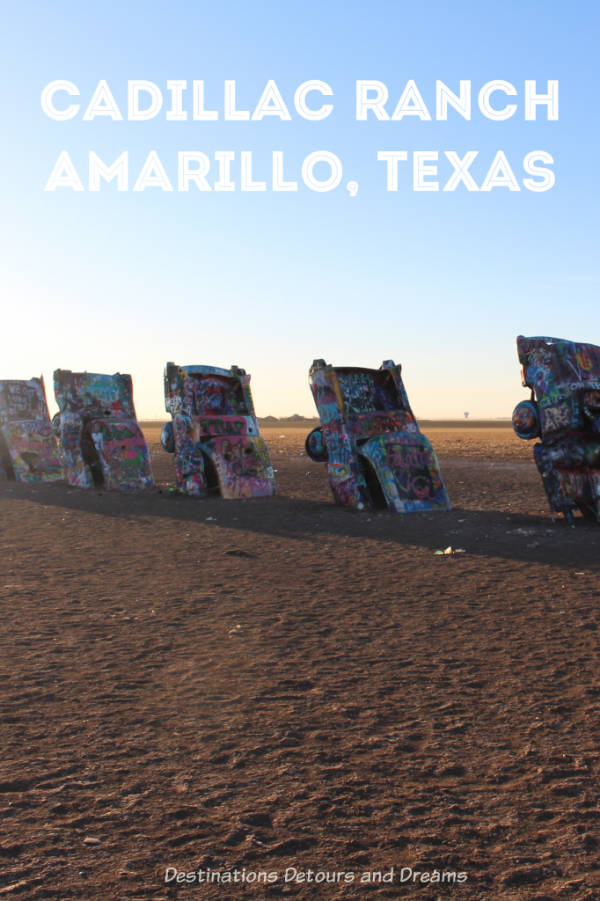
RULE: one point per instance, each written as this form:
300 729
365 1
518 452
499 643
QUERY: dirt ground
282 686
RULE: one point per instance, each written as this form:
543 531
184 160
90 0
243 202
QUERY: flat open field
271 684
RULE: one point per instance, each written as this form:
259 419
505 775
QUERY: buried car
376 454
214 433
564 412
98 431
28 448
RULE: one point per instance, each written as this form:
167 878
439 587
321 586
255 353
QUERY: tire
167 438
315 446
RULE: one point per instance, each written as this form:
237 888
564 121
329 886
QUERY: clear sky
441 282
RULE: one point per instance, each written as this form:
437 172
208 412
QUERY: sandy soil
279 683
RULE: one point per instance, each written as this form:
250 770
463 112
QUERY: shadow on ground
492 533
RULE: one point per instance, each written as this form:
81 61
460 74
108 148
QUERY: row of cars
376 454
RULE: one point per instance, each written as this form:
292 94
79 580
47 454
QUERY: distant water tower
467 414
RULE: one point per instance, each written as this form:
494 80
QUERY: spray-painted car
214 433
564 411
375 452
102 442
28 448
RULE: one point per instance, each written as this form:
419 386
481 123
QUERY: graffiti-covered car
102 442
214 433
28 448
375 453
564 412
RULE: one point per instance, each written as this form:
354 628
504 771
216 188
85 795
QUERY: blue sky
441 282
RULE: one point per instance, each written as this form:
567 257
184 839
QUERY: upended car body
28 448
102 442
564 412
214 433
376 455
